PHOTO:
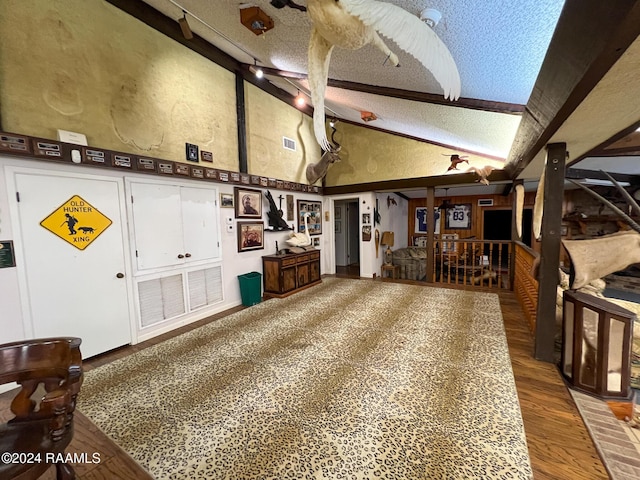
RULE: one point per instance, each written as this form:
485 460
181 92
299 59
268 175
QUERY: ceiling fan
446 203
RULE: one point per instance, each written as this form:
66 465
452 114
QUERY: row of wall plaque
61 151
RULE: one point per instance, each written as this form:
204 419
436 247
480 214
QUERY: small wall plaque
211 173
146 165
47 149
245 179
182 169
235 177
197 172
223 176
206 156
121 161
255 180
7 258
191 152
91 155
166 168
14 143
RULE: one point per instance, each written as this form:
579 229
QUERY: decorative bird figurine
352 24
455 160
482 173
297 239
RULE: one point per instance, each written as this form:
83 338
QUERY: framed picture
248 202
421 220
458 216
250 236
366 218
447 245
226 200
338 211
313 220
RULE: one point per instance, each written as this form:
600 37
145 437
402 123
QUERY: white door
157 224
73 257
200 223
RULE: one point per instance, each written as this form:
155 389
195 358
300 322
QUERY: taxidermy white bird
352 24
297 239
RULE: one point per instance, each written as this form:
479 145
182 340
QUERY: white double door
70 291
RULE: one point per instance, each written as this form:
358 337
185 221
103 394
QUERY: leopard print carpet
350 379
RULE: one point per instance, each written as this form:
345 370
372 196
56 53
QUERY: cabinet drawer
303 258
314 255
288 261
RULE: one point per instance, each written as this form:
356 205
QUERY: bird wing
413 36
319 56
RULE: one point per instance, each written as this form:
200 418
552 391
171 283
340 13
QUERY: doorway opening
347 237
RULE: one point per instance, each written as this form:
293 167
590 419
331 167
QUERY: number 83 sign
459 216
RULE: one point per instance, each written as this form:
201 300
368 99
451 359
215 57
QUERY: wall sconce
387 239
596 345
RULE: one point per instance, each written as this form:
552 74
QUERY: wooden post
431 228
550 252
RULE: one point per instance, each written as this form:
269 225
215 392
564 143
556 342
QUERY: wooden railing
525 285
481 263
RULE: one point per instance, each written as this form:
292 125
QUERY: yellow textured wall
369 155
268 120
86 66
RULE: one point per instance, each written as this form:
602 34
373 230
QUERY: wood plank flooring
559 444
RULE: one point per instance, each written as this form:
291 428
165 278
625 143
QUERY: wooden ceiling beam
590 37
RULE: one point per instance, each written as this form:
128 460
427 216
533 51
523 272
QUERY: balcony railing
480 263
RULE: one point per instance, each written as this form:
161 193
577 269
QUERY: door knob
187 255
120 275
180 255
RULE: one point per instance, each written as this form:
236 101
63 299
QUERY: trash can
250 288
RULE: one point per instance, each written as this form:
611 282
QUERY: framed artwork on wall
226 200
248 202
314 220
250 236
458 216
421 220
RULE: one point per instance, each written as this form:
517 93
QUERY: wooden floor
559 444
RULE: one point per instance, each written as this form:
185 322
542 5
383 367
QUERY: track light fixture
300 100
256 70
184 26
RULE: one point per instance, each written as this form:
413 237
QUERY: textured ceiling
498 50
498 46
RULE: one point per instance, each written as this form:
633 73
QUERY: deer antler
634 205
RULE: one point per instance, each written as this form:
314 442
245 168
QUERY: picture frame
314 220
449 247
366 218
421 220
248 202
250 236
458 217
338 211
226 200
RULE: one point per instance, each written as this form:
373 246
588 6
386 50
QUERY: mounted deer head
316 171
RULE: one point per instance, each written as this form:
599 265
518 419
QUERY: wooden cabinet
290 273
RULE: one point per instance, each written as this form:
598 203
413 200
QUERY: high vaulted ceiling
529 72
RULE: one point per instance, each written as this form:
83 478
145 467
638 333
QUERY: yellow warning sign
77 222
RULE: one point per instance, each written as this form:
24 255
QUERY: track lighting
184 26
300 100
257 71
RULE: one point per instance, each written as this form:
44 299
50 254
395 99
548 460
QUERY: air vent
289 143
485 202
